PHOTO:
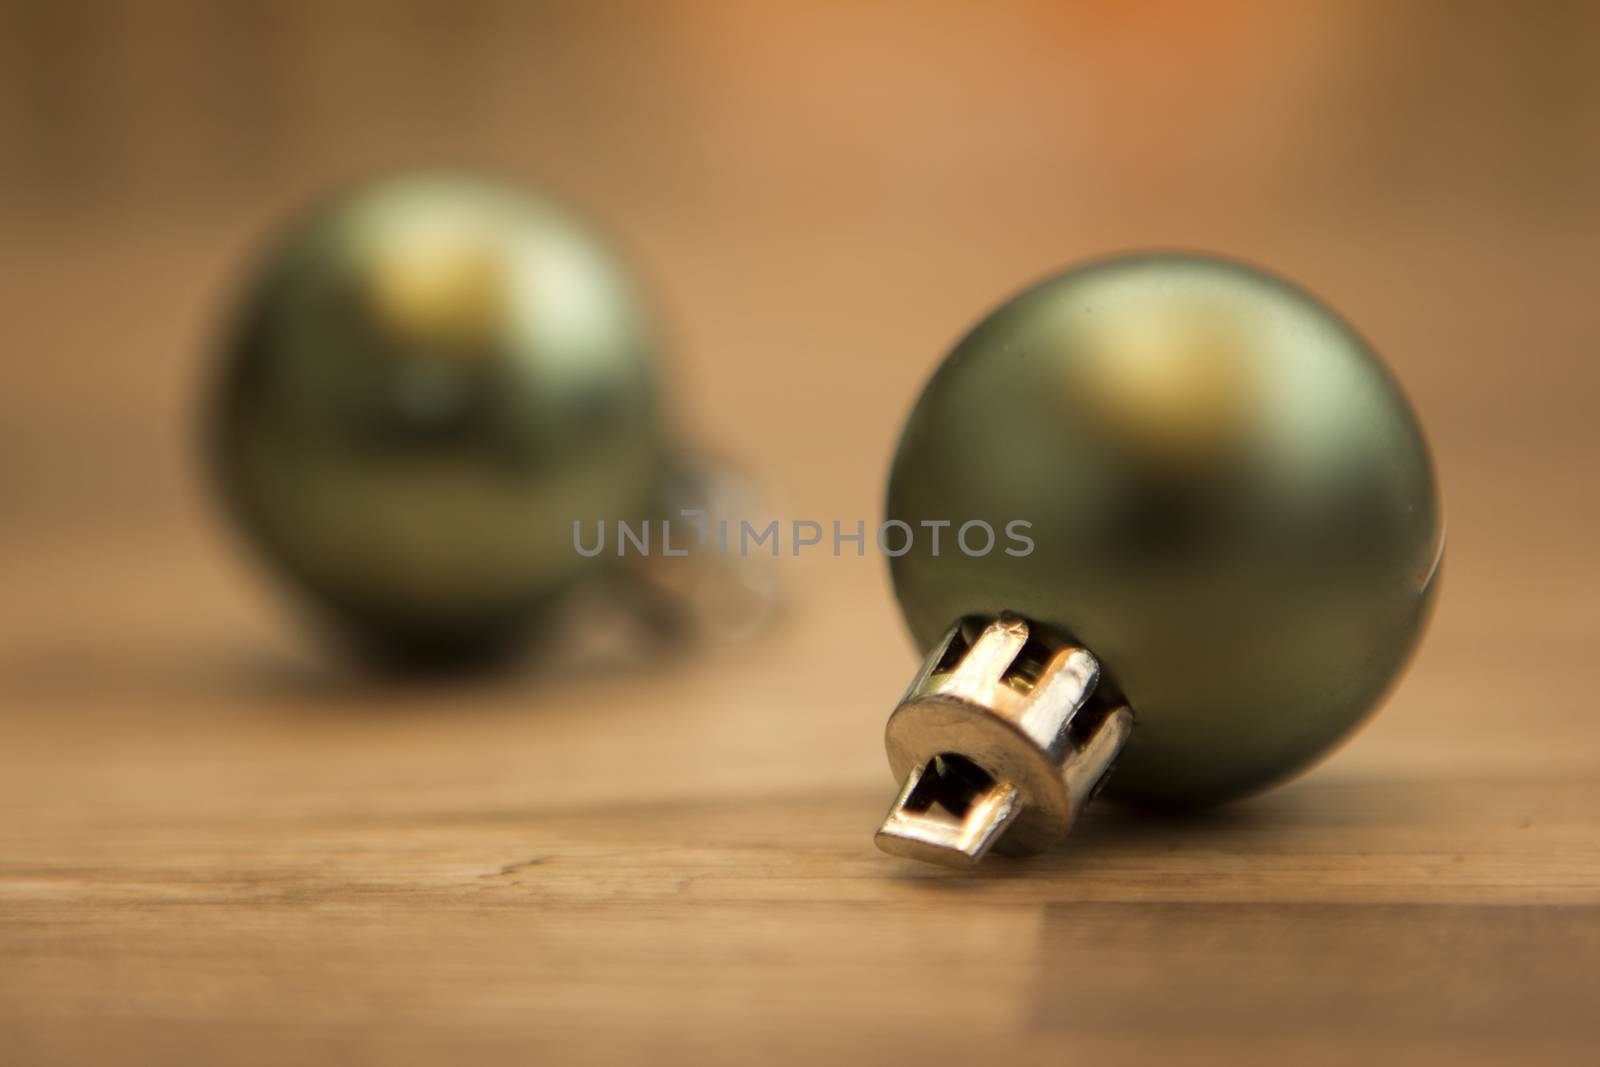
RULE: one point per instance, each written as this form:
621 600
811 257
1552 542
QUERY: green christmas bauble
1213 485
428 381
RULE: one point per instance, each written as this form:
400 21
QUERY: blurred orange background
822 198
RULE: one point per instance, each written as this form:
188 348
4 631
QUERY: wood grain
225 849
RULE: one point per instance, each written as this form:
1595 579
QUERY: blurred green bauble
1231 505
428 381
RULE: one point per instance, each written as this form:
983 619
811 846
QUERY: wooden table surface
218 844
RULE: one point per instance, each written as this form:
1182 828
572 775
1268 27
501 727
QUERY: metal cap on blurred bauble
428 381
1227 538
